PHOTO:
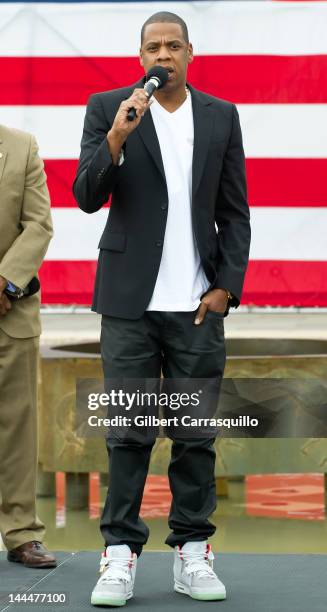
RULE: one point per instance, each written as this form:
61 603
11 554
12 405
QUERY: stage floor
255 583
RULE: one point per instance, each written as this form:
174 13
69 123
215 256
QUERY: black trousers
170 343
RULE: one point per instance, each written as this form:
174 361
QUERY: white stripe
269 130
76 234
289 233
114 29
284 130
277 233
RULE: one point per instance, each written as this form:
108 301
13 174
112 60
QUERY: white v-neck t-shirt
181 279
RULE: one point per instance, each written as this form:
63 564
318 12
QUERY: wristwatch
14 292
229 295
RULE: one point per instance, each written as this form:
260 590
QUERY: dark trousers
170 343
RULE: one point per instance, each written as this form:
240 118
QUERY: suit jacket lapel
149 136
3 156
203 118
147 132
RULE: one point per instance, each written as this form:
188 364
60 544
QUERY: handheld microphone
157 77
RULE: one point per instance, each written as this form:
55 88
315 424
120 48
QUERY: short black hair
166 17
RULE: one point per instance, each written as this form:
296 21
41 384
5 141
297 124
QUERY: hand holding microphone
156 78
131 110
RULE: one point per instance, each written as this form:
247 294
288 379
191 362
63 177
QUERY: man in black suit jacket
140 164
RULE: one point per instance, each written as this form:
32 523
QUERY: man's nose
163 53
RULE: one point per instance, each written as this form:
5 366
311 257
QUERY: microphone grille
160 73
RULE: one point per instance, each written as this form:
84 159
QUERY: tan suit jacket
25 226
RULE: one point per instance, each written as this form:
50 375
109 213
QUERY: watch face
16 293
10 287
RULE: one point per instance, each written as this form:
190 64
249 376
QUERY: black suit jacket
132 240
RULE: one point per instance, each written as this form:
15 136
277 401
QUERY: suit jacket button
159 243
164 206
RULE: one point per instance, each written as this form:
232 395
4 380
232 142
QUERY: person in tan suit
25 233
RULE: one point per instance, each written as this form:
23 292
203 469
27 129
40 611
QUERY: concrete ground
274 583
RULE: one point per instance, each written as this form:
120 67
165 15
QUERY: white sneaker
193 573
115 585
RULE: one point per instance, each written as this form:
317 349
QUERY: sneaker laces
195 562
114 571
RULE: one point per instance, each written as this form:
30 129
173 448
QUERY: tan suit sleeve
23 259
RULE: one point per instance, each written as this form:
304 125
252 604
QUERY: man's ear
190 54
141 58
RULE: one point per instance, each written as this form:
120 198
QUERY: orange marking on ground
299 496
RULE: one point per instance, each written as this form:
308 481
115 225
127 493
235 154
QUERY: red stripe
287 182
271 182
67 282
286 283
275 283
61 174
247 79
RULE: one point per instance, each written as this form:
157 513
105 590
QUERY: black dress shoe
32 554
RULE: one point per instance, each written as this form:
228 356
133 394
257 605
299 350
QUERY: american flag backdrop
269 58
